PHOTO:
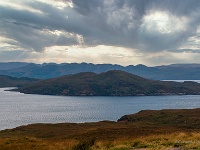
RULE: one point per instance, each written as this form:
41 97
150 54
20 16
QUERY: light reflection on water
198 81
20 109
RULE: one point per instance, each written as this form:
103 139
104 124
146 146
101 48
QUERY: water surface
21 109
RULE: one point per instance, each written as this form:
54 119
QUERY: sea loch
18 109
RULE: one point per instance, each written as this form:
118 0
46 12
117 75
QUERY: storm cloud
146 27
151 25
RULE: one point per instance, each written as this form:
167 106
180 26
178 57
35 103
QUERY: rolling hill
110 83
7 81
182 118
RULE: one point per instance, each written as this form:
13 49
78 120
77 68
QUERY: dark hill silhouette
111 83
182 118
6 81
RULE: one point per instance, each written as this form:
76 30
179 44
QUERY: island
110 83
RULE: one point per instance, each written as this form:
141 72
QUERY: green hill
111 83
7 81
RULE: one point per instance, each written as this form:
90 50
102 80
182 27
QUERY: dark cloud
186 51
176 7
100 22
123 20
32 30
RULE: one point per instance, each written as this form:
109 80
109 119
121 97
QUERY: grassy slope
179 118
109 83
146 129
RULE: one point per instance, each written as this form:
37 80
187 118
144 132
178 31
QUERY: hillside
6 81
111 83
161 131
169 117
52 70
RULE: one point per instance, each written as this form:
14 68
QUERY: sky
125 32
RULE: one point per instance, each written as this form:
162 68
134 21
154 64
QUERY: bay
18 109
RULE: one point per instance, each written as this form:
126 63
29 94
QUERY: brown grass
105 135
97 136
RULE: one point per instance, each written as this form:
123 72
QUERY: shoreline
169 128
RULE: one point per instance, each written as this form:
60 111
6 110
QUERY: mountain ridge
52 70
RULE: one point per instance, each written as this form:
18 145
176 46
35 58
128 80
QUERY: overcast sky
125 32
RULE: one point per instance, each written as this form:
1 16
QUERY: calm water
198 81
20 109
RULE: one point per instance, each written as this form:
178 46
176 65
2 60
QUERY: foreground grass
153 142
151 130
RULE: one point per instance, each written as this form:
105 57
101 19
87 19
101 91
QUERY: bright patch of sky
164 23
100 31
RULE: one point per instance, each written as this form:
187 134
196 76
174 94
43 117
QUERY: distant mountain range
111 83
52 70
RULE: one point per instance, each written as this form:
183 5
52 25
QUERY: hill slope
111 83
187 118
7 81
